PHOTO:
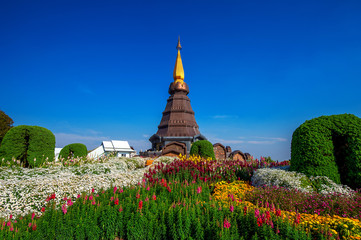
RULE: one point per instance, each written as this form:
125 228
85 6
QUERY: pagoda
178 128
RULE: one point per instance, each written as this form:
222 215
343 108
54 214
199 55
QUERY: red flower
226 224
115 189
93 190
199 190
34 227
154 197
11 216
43 209
116 202
140 205
32 216
120 209
231 208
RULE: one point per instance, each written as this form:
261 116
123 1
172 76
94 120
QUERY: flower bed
180 199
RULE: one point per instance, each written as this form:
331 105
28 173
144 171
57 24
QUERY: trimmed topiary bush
202 148
32 145
329 146
73 150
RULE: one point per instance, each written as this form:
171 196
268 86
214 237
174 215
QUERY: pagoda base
158 142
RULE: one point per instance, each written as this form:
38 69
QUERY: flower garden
185 198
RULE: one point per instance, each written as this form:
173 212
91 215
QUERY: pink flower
63 208
226 224
78 196
11 229
93 190
43 209
86 197
4 223
121 190
64 199
97 195
148 188
32 216
29 224
70 202
93 202
15 221
137 196
11 216
199 190
111 199
231 208
91 197
154 197
120 209
115 189
146 199
256 213
8 224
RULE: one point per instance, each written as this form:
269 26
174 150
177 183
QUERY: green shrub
73 150
329 146
5 124
32 145
202 148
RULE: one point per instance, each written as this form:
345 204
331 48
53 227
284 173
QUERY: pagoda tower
178 124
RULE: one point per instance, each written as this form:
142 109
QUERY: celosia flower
120 209
116 202
199 189
43 209
34 227
226 224
146 199
30 224
93 203
78 196
11 229
245 210
93 190
148 188
111 199
11 216
32 216
256 213
140 205
154 197
8 224
91 197
115 189
121 190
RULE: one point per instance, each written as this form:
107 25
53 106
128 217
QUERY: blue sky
98 70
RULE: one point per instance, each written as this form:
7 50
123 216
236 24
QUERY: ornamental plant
31 145
73 150
202 148
329 146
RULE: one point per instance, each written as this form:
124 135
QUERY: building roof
116 146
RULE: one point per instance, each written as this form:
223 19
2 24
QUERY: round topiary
73 150
203 148
329 146
32 145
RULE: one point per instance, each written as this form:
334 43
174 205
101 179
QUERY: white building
119 148
57 152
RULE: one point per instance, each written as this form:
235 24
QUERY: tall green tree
5 124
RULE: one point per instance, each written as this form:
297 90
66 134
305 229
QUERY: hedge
329 146
203 148
73 150
32 145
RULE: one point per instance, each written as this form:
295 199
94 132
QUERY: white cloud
224 116
63 139
261 142
226 141
278 139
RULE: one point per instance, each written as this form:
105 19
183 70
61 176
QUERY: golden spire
178 73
